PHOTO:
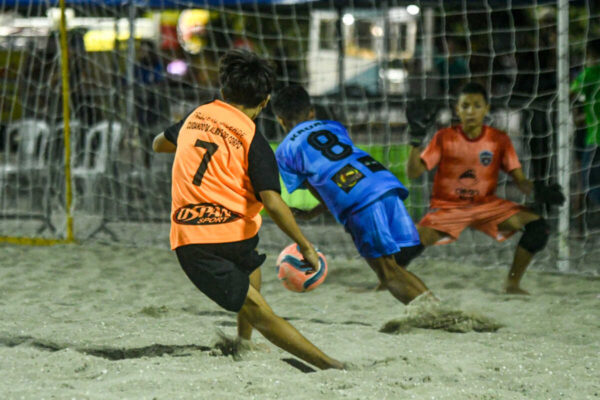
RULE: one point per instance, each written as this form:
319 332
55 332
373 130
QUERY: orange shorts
484 217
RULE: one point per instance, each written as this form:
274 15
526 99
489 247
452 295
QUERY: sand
106 322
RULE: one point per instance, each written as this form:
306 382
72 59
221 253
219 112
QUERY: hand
420 115
311 257
551 195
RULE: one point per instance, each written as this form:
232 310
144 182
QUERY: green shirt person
586 87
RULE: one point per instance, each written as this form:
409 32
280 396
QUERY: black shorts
221 270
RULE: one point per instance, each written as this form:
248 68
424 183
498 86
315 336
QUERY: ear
311 113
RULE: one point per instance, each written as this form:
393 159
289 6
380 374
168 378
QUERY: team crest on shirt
204 214
347 177
486 157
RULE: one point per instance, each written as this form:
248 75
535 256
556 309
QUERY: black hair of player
474 88
246 79
292 104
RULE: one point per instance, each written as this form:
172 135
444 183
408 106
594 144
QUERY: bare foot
515 290
348 366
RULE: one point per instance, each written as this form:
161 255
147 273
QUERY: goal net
135 67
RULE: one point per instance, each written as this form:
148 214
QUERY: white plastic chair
33 138
29 163
99 145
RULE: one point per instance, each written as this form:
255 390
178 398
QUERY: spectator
151 107
586 87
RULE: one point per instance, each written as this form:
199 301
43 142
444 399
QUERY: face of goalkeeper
471 109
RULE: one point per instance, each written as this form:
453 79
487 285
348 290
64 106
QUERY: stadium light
376 31
348 19
413 9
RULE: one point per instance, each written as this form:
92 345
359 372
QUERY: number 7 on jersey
211 148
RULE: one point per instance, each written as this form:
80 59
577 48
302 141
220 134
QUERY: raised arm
162 145
415 166
420 115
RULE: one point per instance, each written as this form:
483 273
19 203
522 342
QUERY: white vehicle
368 62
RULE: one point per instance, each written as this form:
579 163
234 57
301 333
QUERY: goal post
564 132
64 67
31 156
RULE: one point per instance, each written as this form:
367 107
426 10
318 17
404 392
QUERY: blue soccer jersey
346 177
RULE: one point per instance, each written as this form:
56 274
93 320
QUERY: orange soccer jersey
213 200
467 168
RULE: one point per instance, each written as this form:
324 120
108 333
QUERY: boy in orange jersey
469 157
224 172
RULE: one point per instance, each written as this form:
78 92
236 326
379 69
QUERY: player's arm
283 217
416 166
264 177
163 145
551 195
315 211
524 184
420 115
166 141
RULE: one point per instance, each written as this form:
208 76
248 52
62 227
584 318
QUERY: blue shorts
382 228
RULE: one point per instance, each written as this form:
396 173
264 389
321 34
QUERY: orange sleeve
433 152
510 160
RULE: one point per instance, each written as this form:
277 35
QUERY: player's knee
407 254
535 236
428 236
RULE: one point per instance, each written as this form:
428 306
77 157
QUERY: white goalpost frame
564 132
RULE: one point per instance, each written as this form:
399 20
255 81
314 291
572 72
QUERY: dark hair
246 79
291 103
474 88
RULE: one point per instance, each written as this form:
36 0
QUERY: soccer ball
292 270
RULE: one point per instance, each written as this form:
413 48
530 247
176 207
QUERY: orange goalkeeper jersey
213 200
467 168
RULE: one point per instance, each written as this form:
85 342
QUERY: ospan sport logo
204 214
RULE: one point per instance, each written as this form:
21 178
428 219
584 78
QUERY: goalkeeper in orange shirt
469 158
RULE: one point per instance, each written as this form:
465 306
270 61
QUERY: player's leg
381 231
403 258
402 284
429 236
244 327
534 239
228 284
443 226
281 333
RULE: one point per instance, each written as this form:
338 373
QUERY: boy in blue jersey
361 193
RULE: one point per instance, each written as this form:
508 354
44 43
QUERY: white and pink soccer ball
294 272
